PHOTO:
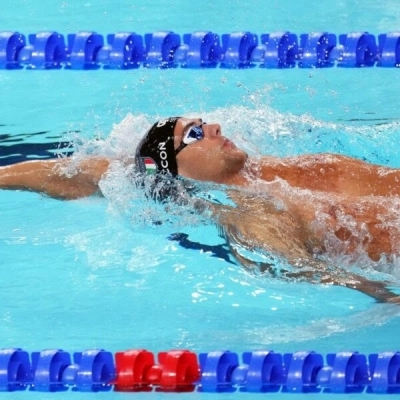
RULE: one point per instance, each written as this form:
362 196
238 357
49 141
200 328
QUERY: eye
196 133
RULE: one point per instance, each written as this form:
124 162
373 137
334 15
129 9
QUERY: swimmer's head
156 151
197 149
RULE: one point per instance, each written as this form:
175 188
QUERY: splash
259 129
120 143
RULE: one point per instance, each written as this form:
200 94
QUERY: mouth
228 143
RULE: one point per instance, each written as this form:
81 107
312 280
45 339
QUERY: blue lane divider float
137 370
201 49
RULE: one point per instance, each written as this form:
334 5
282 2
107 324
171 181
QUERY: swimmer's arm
47 176
317 271
310 269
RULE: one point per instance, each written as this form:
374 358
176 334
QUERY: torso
322 204
298 224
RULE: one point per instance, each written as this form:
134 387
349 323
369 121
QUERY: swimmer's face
211 158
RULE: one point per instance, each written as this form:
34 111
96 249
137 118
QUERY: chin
242 155
239 159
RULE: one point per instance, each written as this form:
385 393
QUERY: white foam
257 128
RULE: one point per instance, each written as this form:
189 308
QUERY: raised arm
48 177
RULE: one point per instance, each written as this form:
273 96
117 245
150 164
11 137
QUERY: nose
212 130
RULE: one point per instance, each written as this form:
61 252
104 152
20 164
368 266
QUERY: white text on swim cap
163 154
161 123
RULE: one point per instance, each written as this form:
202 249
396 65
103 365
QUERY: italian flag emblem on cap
151 166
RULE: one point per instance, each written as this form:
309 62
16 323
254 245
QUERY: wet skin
296 207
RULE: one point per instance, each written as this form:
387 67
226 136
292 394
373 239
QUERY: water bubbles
257 128
311 91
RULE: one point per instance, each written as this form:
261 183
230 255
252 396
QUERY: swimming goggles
192 135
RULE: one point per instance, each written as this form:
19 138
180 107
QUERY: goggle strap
180 147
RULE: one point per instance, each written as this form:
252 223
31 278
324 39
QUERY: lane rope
200 49
139 370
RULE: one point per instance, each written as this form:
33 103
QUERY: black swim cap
156 151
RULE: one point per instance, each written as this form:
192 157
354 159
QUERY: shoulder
306 159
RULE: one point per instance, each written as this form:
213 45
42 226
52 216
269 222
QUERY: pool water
93 273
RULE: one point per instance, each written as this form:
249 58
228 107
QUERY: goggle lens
193 134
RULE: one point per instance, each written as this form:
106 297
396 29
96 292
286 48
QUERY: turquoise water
91 274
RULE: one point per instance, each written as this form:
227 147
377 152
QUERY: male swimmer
302 209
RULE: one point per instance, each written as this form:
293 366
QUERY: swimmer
303 209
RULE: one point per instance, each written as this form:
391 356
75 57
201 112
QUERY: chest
317 175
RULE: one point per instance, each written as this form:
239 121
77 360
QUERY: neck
248 173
